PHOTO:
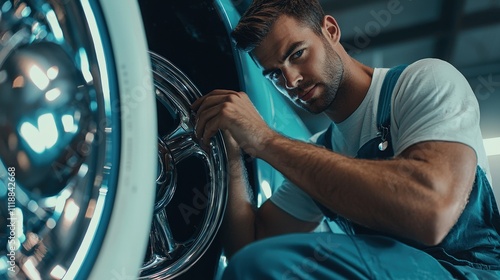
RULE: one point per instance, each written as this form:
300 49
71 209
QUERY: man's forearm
238 227
396 196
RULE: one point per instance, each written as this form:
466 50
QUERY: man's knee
247 262
283 257
265 259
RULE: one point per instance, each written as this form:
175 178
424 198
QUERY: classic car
101 175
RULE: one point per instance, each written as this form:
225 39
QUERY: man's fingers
223 109
204 118
211 128
208 108
197 103
218 92
211 102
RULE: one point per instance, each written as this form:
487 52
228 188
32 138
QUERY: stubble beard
333 72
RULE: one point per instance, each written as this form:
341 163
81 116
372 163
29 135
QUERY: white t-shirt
431 101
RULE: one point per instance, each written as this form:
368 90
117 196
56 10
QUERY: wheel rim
189 203
59 133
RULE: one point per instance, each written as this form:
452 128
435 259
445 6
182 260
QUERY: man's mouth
308 93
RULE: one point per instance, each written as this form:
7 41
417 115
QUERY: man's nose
291 77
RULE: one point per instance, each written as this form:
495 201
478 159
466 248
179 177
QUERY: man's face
301 64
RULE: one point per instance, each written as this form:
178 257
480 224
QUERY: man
426 212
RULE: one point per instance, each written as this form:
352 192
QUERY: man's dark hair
258 19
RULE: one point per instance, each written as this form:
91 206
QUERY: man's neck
352 91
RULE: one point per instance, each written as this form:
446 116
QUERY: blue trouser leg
332 256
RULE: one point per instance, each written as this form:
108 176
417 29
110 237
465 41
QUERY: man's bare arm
243 223
418 195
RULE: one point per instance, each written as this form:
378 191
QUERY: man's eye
298 54
275 75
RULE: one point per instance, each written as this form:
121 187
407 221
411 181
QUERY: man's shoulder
429 62
431 76
431 68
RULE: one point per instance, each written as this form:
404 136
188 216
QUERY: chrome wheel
56 129
61 140
191 183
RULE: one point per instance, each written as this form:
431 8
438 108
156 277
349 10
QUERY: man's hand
234 113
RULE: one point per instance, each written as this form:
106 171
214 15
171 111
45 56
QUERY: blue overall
471 250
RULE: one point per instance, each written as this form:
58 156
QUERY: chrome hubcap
56 131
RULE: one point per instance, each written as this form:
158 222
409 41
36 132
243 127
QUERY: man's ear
331 29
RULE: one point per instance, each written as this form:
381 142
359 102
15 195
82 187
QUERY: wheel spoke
182 146
167 179
164 241
179 106
153 258
162 245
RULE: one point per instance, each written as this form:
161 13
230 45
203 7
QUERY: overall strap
384 102
383 111
384 146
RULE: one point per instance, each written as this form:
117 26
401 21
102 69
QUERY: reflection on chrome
188 212
55 133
